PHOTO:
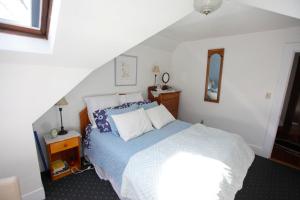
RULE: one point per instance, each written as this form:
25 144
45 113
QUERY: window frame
42 32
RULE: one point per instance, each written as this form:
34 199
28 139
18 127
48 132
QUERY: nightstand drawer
63 145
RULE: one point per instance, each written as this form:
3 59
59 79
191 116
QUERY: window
25 17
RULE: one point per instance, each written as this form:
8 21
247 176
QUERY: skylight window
26 17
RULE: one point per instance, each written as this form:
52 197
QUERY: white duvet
198 163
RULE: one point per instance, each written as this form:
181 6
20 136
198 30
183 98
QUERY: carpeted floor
265 180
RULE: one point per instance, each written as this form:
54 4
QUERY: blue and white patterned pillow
87 140
139 103
100 117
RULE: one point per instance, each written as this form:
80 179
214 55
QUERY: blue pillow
148 105
116 111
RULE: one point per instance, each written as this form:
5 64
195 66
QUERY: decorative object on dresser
125 70
63 154
60 104
165 79
156 72
169 98
214 69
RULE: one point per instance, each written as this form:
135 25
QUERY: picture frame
126 70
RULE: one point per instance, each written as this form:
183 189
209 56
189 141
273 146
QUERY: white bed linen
132 124
94 103
133 97
104 176
160 116
196 163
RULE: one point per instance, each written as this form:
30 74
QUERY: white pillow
100 102
133 97
159 116
132 124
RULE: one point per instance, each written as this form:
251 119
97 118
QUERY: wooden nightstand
65 148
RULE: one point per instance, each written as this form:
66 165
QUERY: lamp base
165 87
62 132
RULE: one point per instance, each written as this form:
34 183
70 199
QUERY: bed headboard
84 121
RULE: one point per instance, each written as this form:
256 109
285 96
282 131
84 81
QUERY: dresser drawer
174 113
63 145
170 104
168 96
170 100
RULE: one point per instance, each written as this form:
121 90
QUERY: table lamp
60 104
156 72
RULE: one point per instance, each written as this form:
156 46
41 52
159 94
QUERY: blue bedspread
112 154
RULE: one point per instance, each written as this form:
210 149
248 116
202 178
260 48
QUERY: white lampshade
62 102
207 6
156 70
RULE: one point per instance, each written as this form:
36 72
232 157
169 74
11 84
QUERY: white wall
87 36
251 69
101 81
26 92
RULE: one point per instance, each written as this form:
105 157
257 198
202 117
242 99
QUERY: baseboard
37 194
257 150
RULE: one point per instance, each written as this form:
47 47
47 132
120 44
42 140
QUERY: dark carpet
266 180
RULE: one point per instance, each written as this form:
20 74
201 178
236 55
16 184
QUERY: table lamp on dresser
60 104
156 72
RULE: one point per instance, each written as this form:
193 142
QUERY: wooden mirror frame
209 54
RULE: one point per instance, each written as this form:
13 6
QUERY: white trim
37 194
257 149
279 96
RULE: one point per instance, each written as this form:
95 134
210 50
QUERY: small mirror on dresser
165 79
214 75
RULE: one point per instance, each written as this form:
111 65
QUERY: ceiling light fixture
207 6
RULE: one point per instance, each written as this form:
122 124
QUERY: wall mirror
214 69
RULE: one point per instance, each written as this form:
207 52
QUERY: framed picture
125 70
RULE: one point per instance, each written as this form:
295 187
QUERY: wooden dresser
169 99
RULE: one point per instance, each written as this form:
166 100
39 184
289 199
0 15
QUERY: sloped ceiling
231 19
161 42
289 8
90 33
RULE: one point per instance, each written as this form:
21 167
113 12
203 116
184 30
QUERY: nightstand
65 148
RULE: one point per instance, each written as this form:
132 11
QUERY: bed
135 170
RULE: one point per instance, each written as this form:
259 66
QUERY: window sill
18 43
